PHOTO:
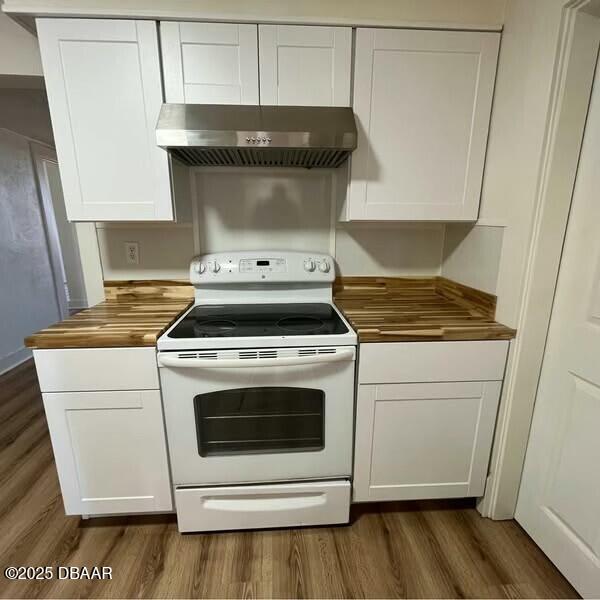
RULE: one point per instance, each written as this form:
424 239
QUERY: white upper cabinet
104 89
210 63
423 101
305 65
219 63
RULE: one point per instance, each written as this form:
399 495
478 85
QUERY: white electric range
258 391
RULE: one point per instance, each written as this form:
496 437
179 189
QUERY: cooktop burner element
259 320
213 327
303 324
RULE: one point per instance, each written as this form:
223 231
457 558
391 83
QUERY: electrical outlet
132 253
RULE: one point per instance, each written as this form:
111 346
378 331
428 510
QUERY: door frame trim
574 69
42 154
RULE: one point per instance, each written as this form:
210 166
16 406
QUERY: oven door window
260 420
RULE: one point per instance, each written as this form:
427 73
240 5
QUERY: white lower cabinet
110 451
109 446
418 433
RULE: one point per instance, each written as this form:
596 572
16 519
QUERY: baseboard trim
14 359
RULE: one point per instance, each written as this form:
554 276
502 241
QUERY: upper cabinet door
305 65
210 63
104 89
423 101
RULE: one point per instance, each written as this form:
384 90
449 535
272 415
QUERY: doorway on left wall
41 280
61 234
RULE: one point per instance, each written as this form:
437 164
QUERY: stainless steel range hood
257 136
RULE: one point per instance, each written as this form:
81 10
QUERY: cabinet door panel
305 65
423 101
105 92
210 63
110 451
423 440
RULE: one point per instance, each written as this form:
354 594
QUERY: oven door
240 416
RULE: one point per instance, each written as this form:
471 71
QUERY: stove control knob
324 266
309 265
199 268
214 266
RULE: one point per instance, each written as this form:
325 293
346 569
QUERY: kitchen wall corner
471 254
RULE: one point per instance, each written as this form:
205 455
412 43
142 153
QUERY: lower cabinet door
262 506
423 440
110 451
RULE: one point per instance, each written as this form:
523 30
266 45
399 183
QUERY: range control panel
261 267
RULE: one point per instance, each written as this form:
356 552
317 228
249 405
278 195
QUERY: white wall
27 294
450 13
393 250
472 255
252 208
26 112
268 209
19 51
513 162
164 250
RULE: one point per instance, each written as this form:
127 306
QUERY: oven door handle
164 360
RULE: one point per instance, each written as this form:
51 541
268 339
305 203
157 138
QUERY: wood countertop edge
47 340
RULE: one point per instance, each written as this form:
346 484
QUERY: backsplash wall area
250 209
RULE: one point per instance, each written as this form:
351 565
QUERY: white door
305 65
423 102
559 499
210 63
46 171
105 92
110 451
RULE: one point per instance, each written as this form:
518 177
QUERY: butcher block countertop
394 309
381 309
135 313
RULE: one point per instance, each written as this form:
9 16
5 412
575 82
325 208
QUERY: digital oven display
263 265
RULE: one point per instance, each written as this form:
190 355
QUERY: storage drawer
404 362
260 506
96 369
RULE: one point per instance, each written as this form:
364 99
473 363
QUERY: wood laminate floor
424 549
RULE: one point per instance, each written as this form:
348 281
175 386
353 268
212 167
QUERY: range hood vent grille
261 157
215 135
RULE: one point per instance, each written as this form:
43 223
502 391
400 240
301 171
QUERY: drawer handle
263 502
166 360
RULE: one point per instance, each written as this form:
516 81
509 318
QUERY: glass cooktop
258 320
